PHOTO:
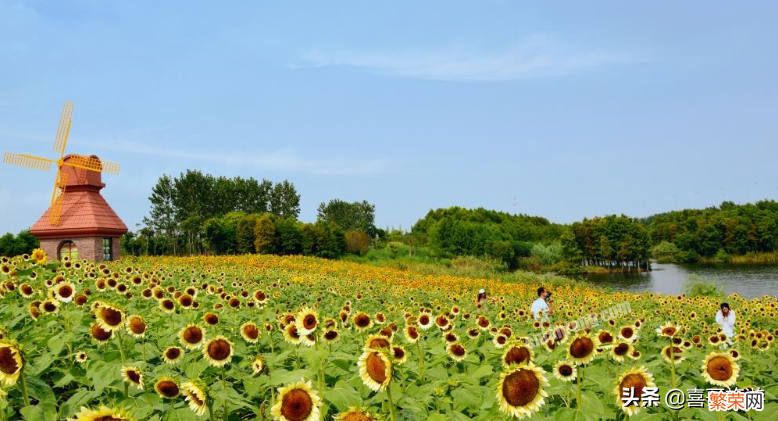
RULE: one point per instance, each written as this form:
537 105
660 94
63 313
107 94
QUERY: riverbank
722 257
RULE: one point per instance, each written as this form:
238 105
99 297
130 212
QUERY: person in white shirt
541 305
726 319
481 296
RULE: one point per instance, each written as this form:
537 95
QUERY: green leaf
343 396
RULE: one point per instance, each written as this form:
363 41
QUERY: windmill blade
28 161
92 164
64 128
58 198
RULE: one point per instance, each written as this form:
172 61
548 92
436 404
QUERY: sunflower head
250 332
194 394
517 353
520 390
167 388
173 354
192 336
218 351
101 413
297 402
635 379
375 368
109 317
356 414
11 363
307 321
720 369
565 371
136 326
133 376
582 348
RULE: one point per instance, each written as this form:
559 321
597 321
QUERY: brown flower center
309 322
361 320
621 349
331 335
719 368
8 363
296 405
134 376
458 350
358 416
219 349
376 367
137 325
633 380
100 334
581 347
251 331
565 370
110 316
605 337
168 389
517 355
627 332
211 318
193 335
173 353
378 343
520 387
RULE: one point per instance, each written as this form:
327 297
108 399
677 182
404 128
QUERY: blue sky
563 109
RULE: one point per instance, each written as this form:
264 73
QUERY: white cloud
534 57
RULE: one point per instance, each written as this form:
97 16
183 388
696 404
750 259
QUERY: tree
570 250
357 242
284 200
290 238
162 216
244 234
265 235
358 216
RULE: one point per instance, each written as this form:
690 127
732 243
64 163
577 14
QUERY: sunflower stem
210 413
23 386
391 402
672 363
224 389
579 380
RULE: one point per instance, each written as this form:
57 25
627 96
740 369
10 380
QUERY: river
748 280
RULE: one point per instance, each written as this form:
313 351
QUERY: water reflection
747 280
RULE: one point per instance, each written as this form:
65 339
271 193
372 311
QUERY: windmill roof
84 213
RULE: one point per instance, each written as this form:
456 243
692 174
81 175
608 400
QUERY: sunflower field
306 339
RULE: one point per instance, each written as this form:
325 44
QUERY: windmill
89 163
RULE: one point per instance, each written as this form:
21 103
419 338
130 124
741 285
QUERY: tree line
610 241
198 213
15 245
729 229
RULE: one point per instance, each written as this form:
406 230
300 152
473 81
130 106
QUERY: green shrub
697 286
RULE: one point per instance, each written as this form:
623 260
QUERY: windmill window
107 248
68 249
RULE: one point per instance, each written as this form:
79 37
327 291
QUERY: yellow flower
456 351
565 371
196 397
355 414
375 368
297 402
516 353
100 414
635 379
192 336
11 363
250 332
257 365
582 349
720 369
167 388
109 318
133 376
306 321
173 354
39 256
218 351
520 390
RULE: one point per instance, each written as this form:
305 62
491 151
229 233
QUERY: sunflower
676 354
377 342
99 334
375 368
173 354
565 371
291 334
192 336
211 319
50 306
297 402
582 349
500 340
167 305
411 334
668 330
133 376
331 336
735 354
101 413
26 290
196 397
307 320
520 390
39 256
109 318
399 354
218 351
424 321
81 357
257 365
362 321
11 363
516 353
456 351
720 369
136 326
250 332
355 414
621 350
167 388
635 379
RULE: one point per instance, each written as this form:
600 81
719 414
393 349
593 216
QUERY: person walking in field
725 318
541 306
481 297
